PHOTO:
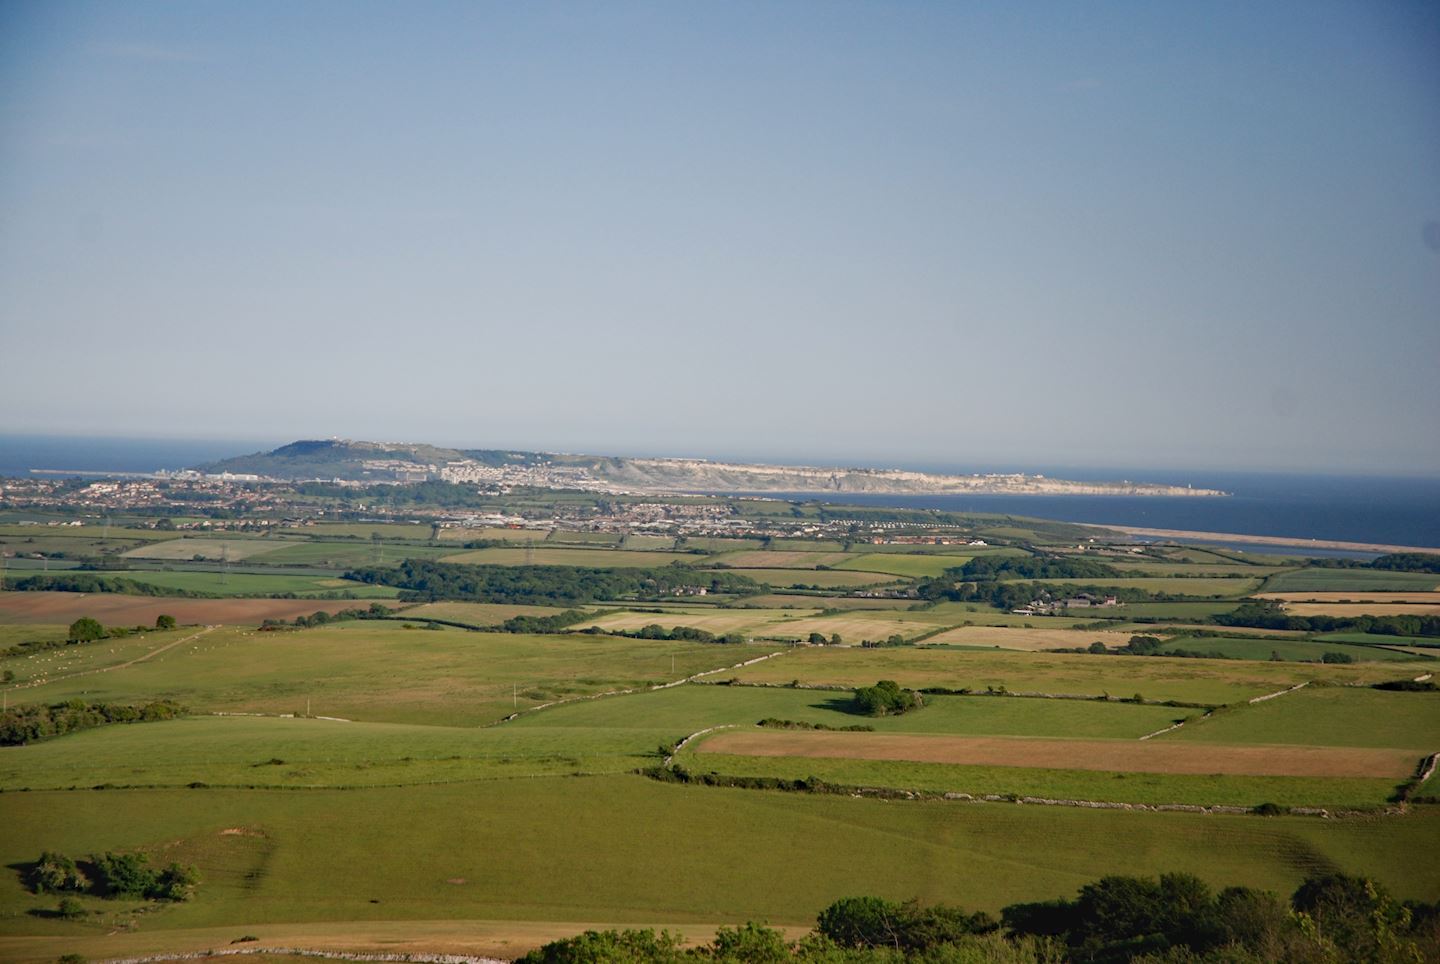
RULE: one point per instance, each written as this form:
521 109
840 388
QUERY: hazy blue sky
1099 233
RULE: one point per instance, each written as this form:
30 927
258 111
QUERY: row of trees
544 585
1176 919
29 724
1269 615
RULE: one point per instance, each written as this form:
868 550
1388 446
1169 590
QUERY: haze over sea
1399 511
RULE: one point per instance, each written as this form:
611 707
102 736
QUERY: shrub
164 622
885 698
56 873
70 909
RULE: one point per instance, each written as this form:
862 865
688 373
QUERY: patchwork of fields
350 776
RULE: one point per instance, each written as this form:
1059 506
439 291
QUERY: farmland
399 756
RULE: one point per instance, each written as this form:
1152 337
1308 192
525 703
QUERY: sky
1111 233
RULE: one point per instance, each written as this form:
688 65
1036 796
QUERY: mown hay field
208 548
1191 680
115 609
479 614
1327 716
457 534
855 627
1362 609
344 555
1128 756
554 556
1029 640
718 621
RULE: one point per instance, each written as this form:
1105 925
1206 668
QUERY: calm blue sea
1397 511
1401 511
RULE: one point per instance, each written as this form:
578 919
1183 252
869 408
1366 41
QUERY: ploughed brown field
1118 755
114 609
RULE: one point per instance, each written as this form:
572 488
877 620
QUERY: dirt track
1117 755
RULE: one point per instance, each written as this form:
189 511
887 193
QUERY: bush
70 909
885 698
56 873
131 876
164 622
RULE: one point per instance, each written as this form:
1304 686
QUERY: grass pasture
1327 716
1064 784
855 626
1286 649
821 578
780 559
381 672
1128 756
688 709
635 851
344 555
906 564
1202 586
1191 680
1351 580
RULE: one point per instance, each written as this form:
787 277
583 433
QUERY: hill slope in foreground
358 461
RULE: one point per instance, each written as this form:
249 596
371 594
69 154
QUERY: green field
1328 716
1289 649
381 672
687 709
904 564
1380 639
254 584
821 578
1204 586
1148 788
1168 610
1191 680
364 530
344 555
207 548
1341 580
399 854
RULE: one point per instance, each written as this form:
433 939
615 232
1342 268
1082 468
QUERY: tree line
1269 615
1176 919
30 724
424 581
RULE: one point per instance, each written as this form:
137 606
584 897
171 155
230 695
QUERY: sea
1348 508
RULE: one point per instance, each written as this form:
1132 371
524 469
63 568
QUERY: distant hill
346 459
394 461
